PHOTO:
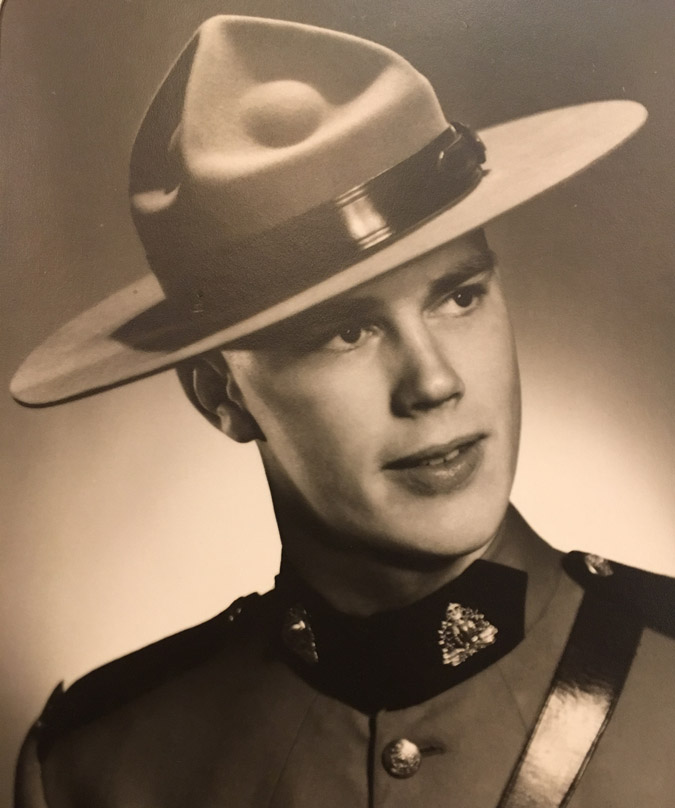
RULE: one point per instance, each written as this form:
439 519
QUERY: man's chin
439 534
412 547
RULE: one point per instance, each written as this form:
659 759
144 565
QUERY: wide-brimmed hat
280 165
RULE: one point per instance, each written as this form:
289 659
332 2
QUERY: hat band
244 278
396 200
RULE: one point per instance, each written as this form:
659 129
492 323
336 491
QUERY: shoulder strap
649 594
584 691
119 682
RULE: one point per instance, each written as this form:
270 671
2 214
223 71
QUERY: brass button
401 758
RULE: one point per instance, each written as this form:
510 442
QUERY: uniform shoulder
650 594
121 681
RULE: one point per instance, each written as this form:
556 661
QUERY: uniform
238 711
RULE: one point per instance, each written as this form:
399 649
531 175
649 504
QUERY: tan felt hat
280 165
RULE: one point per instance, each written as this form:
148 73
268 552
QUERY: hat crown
259 121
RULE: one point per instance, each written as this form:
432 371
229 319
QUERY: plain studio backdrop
126 517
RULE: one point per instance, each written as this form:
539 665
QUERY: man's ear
219 395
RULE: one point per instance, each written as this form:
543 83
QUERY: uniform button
401 758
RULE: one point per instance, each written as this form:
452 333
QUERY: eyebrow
330 315
485 261
351 308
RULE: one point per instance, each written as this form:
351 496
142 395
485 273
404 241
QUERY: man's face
394 411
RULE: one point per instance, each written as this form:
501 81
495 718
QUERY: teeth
438 461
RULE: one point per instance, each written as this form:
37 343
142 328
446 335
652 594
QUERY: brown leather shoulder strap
584 691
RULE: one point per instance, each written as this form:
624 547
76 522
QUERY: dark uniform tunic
283 702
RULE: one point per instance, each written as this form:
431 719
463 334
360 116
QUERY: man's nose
425 374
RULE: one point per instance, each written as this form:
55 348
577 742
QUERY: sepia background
126 517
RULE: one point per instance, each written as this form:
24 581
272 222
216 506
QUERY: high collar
401 657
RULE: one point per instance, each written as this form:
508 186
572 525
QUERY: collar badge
597 565
463 632
297 634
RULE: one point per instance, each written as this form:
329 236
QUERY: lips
439 469
435 455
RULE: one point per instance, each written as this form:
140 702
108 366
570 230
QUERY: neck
353 574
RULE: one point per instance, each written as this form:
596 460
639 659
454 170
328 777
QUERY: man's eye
465 298
348 338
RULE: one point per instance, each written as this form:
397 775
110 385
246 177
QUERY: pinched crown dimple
282 112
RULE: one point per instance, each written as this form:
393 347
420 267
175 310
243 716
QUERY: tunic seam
282 770
513 696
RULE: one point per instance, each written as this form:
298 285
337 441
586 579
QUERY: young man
326 289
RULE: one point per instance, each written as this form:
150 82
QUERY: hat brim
135 332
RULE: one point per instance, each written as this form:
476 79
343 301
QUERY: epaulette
124 679
650 595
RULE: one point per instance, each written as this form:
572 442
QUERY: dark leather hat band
276 264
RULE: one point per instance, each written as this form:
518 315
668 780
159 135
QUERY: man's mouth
436 455
439 469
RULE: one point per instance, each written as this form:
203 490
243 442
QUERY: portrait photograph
336 443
